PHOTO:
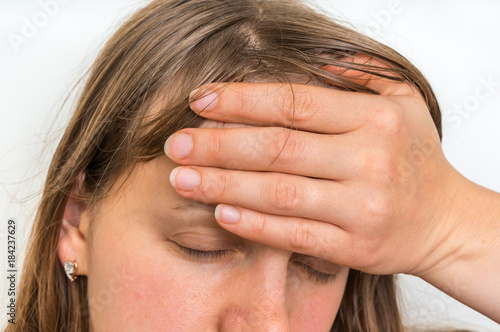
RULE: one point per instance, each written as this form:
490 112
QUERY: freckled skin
140 282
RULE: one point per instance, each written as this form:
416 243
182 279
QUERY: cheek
136 284
138 287
319 305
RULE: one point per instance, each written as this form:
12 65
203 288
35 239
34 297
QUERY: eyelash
201 255
319 277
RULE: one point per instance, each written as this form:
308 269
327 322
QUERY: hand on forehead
306 104
309 159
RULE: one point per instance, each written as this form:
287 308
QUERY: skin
140 280
361 182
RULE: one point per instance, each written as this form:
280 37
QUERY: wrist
466 225
465 262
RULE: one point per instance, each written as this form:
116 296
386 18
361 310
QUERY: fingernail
185 178
207 102
179 146
227 214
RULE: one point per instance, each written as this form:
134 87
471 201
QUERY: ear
73 244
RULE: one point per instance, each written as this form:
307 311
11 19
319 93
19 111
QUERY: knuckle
379 163
214 143
373 252
366 254
240 102
286 147
298 105
215 186
299 236
364 247
284 194
259 226
221 186
377 209
388 121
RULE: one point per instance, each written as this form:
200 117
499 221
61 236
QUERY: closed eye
213 255
202 255
317 276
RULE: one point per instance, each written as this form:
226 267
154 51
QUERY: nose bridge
270 274
261 304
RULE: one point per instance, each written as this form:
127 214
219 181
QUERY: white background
454 43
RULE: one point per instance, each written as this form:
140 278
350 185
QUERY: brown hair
162 53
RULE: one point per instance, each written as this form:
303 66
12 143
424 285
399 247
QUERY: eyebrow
203 214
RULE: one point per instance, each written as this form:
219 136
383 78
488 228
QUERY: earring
71 268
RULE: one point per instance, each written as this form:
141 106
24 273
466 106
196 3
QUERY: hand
362 182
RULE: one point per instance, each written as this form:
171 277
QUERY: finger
268 192
304 236
273 149
373 74
305 107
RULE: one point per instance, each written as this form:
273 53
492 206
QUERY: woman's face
147 270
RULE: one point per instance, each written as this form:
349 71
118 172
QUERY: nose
259 295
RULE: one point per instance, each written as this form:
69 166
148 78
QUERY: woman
176 269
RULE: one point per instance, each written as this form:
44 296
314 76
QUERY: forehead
156 172
147 186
